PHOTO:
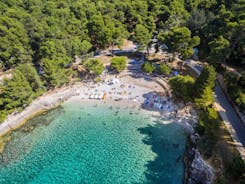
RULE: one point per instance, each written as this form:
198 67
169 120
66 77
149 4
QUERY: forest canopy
43 37
34 30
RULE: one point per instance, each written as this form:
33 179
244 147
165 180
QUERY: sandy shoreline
145 96
128 90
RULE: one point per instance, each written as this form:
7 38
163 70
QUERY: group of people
157 102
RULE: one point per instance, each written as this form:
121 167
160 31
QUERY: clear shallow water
86 144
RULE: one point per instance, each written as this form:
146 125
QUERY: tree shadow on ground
167 167
130 55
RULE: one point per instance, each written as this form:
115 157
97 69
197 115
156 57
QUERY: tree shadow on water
167 166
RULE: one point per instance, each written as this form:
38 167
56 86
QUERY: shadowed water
80 143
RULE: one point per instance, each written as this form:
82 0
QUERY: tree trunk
173 56
148 52
112 47
225 64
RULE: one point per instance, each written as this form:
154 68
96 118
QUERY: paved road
231 115
233 118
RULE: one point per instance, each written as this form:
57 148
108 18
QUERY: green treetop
32 77
148 67
94 66
182 87
101 35
54 74
219 50
206 99
118 64
164 69
15 93
141 36
205 79
179 40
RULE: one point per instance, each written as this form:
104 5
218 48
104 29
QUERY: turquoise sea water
85 144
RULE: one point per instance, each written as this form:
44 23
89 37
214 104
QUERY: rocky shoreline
197 170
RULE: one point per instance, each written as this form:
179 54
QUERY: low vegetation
163 69
182 87
179 40
54 75
18 92
48 34
236 88
94 66
1 145
118 64
148 67
200 92
237 168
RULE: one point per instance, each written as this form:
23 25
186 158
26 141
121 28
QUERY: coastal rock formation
199 172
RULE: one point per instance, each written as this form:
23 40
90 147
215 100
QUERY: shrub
208 125
208 122
3 115
97 79
240 100
148 67
54 74
235 88
32 77
94 66
164 69
1 145
205 79
237 167
182 87
118 64
242 80
206 99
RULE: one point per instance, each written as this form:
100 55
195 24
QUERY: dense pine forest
39 39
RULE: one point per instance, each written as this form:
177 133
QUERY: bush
148 67
230 78
207 127
205 79
206 99
118 64
182 87
15 94
94 66
219 68
32 77
237 167
240 100
208 122
54 74
242 80
164 69
3 115
1 145
97 79
235 88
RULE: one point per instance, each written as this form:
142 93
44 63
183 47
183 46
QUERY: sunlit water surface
84 143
